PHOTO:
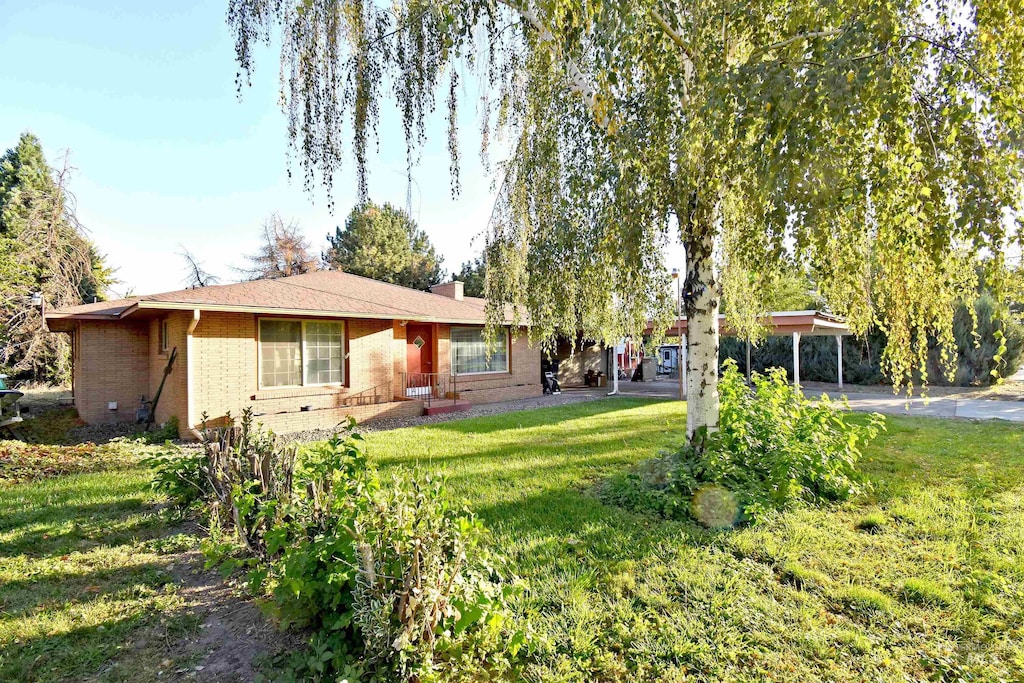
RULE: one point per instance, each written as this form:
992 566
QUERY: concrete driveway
938 406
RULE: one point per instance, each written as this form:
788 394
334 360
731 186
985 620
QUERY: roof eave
268 310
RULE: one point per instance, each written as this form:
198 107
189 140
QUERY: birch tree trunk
701 302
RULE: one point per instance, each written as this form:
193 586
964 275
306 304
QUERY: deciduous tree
877 143
283 251
196 275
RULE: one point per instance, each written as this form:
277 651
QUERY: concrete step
446 406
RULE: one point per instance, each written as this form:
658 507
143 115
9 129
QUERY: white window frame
302 353
451 352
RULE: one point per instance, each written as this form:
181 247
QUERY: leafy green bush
168 431
773 448
394 583
181 475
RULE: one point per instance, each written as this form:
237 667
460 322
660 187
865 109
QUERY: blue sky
143 98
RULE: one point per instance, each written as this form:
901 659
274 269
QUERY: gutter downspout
189 394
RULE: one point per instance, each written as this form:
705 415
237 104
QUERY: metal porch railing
430 387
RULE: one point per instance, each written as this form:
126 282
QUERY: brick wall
174 397
225 346
121 361
573 366
325 418
521 381
111 365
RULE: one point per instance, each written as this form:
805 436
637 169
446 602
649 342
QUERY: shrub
818 361
394 583
994 345
168 431
773 448
181 475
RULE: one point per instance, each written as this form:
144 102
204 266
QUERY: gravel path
476 411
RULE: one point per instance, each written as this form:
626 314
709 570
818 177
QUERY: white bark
702 337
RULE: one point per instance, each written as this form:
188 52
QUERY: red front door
419 353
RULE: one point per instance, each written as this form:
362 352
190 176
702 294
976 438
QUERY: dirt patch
216 635
233 639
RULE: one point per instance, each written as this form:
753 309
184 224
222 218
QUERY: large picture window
301 353
470 353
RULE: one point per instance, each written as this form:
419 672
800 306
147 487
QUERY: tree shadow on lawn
101 587
537 417
90 525
915 453
574 450
216 638
23 597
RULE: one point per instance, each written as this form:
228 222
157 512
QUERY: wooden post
796 359
839 357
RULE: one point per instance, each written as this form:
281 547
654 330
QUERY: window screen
280 353
324 356
469 352
296 353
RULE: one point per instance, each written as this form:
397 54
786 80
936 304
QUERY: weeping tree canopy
874 144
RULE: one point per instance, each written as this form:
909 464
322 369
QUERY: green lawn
933 585
925 578
85 579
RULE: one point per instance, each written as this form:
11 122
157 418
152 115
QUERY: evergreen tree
43 249
473 275
384 243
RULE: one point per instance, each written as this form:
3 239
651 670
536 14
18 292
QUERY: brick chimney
452 290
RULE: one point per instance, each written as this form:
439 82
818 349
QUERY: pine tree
384 243
43 249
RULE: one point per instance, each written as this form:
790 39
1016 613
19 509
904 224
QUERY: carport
781 323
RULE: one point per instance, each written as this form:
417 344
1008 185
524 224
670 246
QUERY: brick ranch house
303 352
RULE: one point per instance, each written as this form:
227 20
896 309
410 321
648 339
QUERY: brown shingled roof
327 293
